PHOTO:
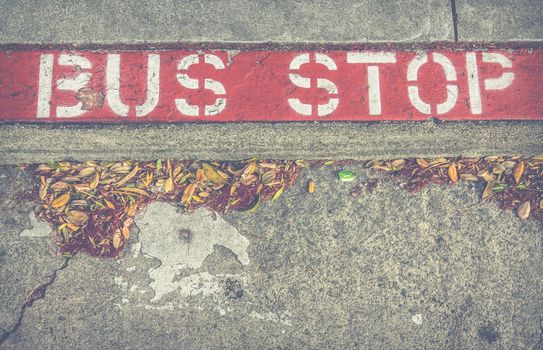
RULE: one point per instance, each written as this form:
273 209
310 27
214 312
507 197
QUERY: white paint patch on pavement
39 228
181 241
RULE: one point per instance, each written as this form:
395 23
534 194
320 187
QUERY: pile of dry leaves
512 182
92 204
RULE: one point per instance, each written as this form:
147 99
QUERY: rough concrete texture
504 20
33 143
110 22
388 270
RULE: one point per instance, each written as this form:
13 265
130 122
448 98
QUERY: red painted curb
227 86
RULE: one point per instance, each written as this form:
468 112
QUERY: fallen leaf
212 174
168 185
43 188
518 171
128 177
278 193
311 186
453 174
77 217
398 163
489 188
134 190
422 163
61 200
95 181
60 186
187 193
131 210
117 239
253 205
126 232
523 210
469 177
249 169
109 204
87 171
268 177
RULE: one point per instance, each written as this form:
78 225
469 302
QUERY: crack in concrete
36 294
455 20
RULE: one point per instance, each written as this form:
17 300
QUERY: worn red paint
229 86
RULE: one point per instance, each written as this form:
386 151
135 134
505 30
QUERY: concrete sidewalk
388 269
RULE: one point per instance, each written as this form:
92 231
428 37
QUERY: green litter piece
346 175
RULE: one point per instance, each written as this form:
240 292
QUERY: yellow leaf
133 190
518 171
233 188
278 193
453 174
131 210
488 189
398 163
422 163
60 186
86 171
61 200
469 177
95 181
197 199
249 169
486 176
77 217
168 184
128 177
109 204
329 162
72 227
82 187
311 186
213 175
176 171
203 194
523 210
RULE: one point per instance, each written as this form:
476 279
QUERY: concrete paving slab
153 21
391 269
504 20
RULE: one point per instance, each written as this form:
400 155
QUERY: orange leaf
311 186
453 174
117 239
518 171
126 232
187 193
